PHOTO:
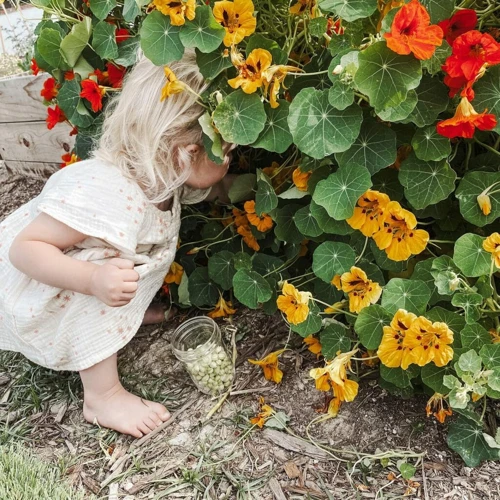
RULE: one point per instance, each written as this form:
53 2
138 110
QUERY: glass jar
198 344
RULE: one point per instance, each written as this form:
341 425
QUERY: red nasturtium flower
69 75
49 90
74 131
465 121
54 116
472 53
115 74
68 159
121 35
411 32
34 67
93 93
458 24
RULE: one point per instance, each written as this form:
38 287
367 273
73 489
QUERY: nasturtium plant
366 209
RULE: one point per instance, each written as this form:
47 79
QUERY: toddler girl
81 262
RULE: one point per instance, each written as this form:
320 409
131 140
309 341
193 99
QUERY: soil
222 457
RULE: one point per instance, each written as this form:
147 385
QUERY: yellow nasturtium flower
492 245
361 291
174 274
237 18
398 236
173 86
178 10
392 350
269 365
222 309
294 304
303 6
368 215
313 344
273 79
250 70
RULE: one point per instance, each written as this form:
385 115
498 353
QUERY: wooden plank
35 170
33 142
20 99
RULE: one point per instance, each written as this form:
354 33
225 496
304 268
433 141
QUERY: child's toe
161 411
143 428
155 418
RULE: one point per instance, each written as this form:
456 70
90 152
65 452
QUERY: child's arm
37 252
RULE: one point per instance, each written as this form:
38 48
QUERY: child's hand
115 282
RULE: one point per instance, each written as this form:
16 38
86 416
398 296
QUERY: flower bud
484 203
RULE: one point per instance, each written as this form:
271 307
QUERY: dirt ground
223 457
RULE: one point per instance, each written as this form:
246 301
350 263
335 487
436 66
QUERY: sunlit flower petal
237 18
269 365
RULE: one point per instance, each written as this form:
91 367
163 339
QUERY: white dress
66 330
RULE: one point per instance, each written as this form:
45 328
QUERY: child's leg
106 400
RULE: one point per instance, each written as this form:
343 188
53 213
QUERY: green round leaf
326 223
370 325
250 288
426 183
130 10
386 181
258 41
439 10
332 258
127 51
266 264
242 188
213 63
466 438
202 292
265 197
374 149
285 229
203 32
306 222
275 136
334 338
472 185
221 269
318 129
311 325
48 44
104 40
340 95
401 111
490 355
432 98
474 337
470 303
487 94
386 77
160 40
455 322
399 377
340 191
240 117
350 10
432 376
75 41
470 256
412 295
101 8
429 145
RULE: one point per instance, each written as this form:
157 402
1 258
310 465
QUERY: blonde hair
145 137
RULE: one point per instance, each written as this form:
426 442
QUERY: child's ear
193 149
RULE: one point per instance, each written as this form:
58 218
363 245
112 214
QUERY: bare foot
121 411
155 313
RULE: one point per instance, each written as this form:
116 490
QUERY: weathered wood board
27 147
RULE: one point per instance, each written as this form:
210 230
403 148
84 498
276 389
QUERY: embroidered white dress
66 330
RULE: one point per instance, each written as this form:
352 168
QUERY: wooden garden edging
27 147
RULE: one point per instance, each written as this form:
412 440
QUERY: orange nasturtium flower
361 291
368 215
49 90
492 245
300 179
174 274
302 6
69 159
435 406
54 116
93 93
246 233
429 342
173 86
392 350
465 121
293 303
495 336
398 236
412 32
264 414
250 70
178 10
263 223
313 344
237 18
222 309
269 365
